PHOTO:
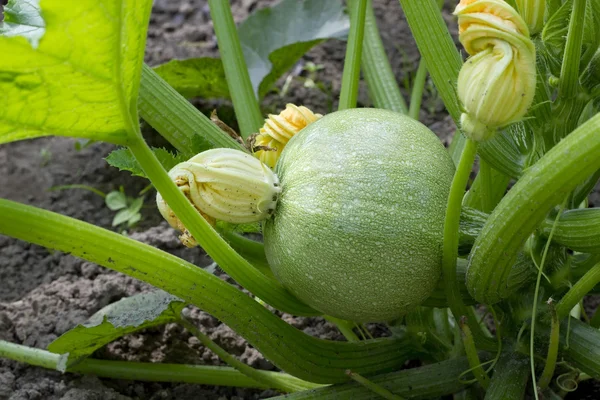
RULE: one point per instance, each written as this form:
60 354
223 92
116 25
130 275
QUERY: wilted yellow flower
224 184
497 83
532 12
278 130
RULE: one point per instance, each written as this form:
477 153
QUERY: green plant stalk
175 118
487 189
584 285
457 144
381 81
308 358
243 97
436 44
535 304
254 374
542 186
472 356
582 348
151 372
569 73
373 387
251 250
351 74
412 383
416 95
345 327
510 377
578 229
450 249
266 288
552 355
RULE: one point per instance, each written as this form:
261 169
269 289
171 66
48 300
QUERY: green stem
578 291
346 328
569 73
373 387
176 119
583 348
381 81
412 383
552 355
510 378
243 96
416 96
262 286
291 350
84 187
544 185
487 189
265 379
535 301
151 372
450 253
472 356
251 250
351 75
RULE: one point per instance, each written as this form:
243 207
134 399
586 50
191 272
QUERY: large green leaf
127 315
272 39
82 79
23 18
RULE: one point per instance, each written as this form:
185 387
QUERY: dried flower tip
186 237
279 129
497 83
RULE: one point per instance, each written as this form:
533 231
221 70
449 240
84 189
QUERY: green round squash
358 230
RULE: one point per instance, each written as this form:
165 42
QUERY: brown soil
44 294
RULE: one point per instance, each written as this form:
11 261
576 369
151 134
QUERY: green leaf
196 77
116 200
125 161
83 78
126 316
272 39
23 18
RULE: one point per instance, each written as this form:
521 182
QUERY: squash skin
358 230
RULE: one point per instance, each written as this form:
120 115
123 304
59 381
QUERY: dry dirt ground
44 294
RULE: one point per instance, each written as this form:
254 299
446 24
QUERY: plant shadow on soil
44 294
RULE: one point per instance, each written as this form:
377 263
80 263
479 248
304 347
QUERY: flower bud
497 83
532 12
278 130
225 184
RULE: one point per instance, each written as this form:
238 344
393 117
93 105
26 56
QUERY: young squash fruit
358 230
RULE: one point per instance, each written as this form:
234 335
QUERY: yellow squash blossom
278 130
497 83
